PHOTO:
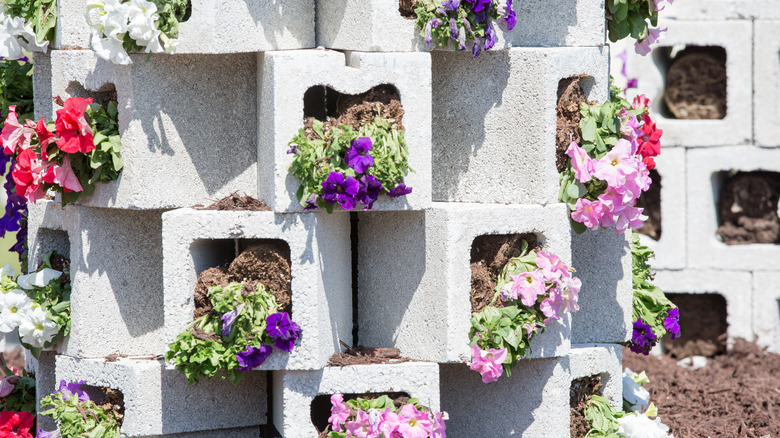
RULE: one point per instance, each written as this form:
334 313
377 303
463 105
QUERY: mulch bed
406 8
747 208
360 355
234 201
696 84
736 395
579 394
489 254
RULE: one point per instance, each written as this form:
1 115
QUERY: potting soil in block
748 208
703 323
579 395
696 83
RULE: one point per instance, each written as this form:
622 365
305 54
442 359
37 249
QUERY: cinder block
736 37
294 391
766 309
42 98
159 401
47 230
242 432
423 308
723 10
321 272
284 78
766 110
734 286
533 402
603 263
45 383
215 26
377 25
481 152
605 360
179 131
707 171
670 249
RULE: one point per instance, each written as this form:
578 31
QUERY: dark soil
108 399
320 407
234 201
651 202
736 395
747 208
360 355
579 394
570 95
61 263
489 255
406 8
267 263
696 84
703 322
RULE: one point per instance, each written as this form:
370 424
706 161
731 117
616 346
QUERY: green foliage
22 398
80 419
16 88
630 17
379 403
442 36
602 418
40 14
172 13
201 350
649 302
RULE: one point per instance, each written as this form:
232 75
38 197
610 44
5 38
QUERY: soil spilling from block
747 208
108 399
570 96
703 323
234 201
651 202
267 262
579 393
406 8
360 355
696 84
736 395
320 407
489 255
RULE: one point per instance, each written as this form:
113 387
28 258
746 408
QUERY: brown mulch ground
696 84
747 208
570 95
736 395
360 355
579 394
234 201
112 400
489 254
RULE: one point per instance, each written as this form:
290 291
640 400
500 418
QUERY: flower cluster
238 335
611 170
379 417
459 21
25 29
654 315
347 168
626 18
77 415
535 289
135 25
17 398
81 147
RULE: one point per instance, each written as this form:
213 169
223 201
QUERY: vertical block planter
287 76
295 391
604 360
481 153
174 124
424 309
766 46
321 272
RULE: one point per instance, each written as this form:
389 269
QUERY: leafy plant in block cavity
634 18
381 417
29 27
17 396
77 416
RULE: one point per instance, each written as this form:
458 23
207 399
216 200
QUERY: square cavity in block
396 298
601 361
308 83
766 82
699 82
747 207
47 225
166 140
650 202
481 153
317 247
703 325
298 405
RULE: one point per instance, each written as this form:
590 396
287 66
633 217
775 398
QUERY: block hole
406 8
703 325
219 262
489 254
335 108
320 406
52 240
107 398
651 202
187 13
580 393
103 95
747 206
696 82
572 92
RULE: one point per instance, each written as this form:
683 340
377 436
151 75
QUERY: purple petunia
69 389
370 189
252 357
340 189
229 318
45 434
311 203
672 322
283 330
511 17
490 37
399 190
643 338
357 156
451 5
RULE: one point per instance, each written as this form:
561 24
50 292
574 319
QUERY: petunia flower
69 389
6 386
399 190
643 338
252 357
72 126
640 426
649 142
357 156
616 164
580 162
528 286
339 412
672 322
14 306
653 36
340 189
36 328
634 395
14 134
488 363
370 189
39 279
439 428
229 318
283 330
588 213
414 423
15 424
360 427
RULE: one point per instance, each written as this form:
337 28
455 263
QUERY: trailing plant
29 27
77 416
380 417
238 335
634 18
535 289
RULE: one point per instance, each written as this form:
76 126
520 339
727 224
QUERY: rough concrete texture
605 360
723 10
285 76
116 275
215 26
603 263
707 171
341 24
766 70
242 432
670 249
424 308
766 309
735 287
533 402
736 37
485 154
321 272
42 98
45 384
294 391
47 225
159 401
179 131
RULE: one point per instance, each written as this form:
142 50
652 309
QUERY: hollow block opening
747 207
703 325
650 201
489 255
696 82
580 392
320 406
572 92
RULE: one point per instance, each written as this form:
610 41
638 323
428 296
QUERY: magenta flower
370 189
616 164
439 429
357 156
488 363
360 427
528 286
65 178
672 322
340 189
388 424
588 213
283 330
653 36
252 357
629 217
69 389
581 162
15 134
640 102
414 423
339 412
630 127
551 265
661 4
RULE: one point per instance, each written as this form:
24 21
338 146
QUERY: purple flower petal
399 190
252 357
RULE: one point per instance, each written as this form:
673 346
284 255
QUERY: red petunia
72 126
15 424
44 136
649 142
27 174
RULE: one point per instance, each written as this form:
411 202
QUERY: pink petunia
389 422
360 427
65 178
528 286
15 134
652 37
487 363
414 423
439 429
551 265
581 162
629 217
339 412
616 165
661 4
640 102
588 213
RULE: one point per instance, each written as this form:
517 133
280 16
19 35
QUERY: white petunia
637 397
110 49
38 279
14 305
640 426
8 271
36 329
